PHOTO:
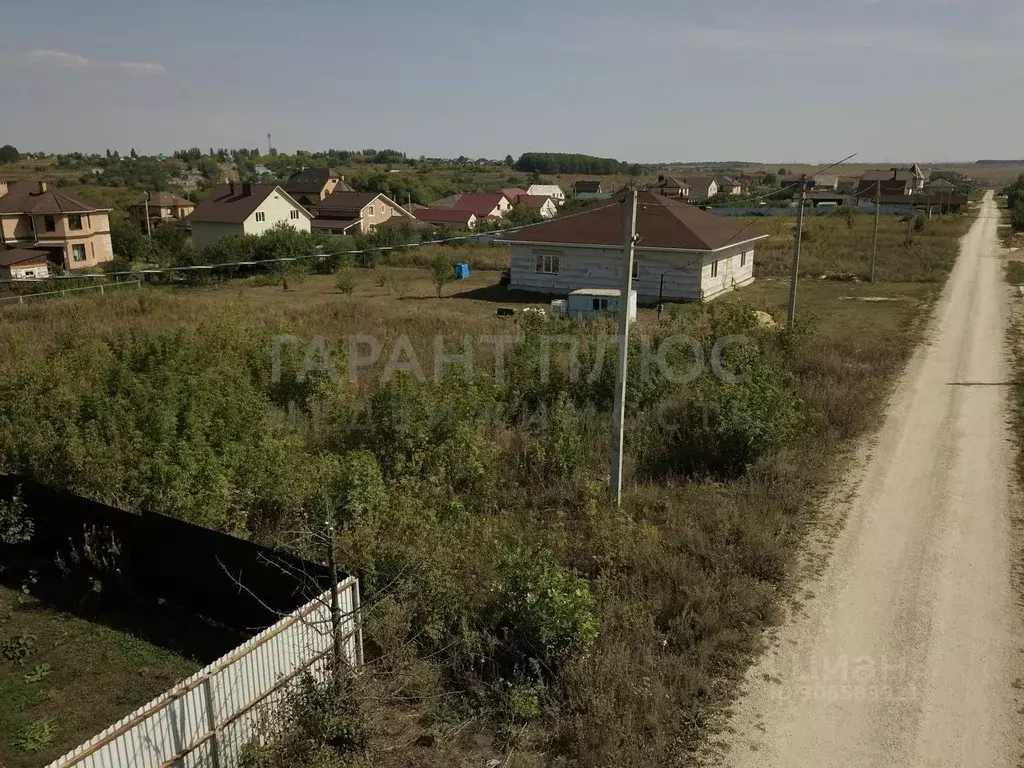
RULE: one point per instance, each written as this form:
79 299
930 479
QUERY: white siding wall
30 270
206 232
277 209
581 267
734 271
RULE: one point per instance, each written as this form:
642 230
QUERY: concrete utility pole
791 317
149 230
625 296
874 242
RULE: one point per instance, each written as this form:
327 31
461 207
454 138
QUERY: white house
23 263
553 191
682 252
245 209
544 205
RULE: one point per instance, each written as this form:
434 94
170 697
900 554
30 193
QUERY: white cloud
75 61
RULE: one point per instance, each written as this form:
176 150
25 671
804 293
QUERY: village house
245 209
72 231
449 217
670 186
489 206
311 185
23 264
728 186
589 189
702 187
682 253
160 208
553 191
343 212
540 203
894 181
513 192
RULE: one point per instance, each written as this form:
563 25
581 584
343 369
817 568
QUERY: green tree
8 154
128 241
769 179
133 154
442 270
510 161
521 215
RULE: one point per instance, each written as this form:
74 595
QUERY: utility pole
910 221
336 648
625 299
149 231
874 241
791 317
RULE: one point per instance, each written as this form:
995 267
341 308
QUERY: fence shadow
182 587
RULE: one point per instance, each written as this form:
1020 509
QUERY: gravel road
909 651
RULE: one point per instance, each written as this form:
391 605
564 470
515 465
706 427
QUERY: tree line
565 162
1015 201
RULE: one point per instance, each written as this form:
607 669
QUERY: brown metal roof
532 201
662 222
309 181
444 215
32 197
22 256
587 186
340 201
165 200
231 204
480 204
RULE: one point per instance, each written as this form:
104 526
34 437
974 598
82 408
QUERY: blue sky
651 80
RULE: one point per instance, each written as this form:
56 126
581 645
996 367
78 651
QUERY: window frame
743 259
547 263
714 268
293 214
72 218
261 217
49 222
74 252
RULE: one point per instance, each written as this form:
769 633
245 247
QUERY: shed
591 303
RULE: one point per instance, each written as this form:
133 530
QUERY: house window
547 264
293 214
714 268
743 259
74 222
636 269
49 224
78 252
261 216
600 305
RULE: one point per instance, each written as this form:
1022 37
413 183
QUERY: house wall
277 209
16 227
23 271
98 250
735 269
582 267
206 232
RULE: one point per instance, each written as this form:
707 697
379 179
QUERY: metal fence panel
206 721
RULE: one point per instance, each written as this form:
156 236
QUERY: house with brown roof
670 186
728 186
448 217
492 206
543 204
23 264
311 185
682 252
160 208
245 209
356 212
73 231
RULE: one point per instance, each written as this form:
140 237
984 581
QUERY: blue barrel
461 271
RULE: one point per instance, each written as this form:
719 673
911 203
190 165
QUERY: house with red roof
491 206
448 217
682 252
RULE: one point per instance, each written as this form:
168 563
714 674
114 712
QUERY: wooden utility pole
910 222
625 300
874 241
791 317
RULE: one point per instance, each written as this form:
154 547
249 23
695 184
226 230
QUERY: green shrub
37 736
542 612
15 526
345 282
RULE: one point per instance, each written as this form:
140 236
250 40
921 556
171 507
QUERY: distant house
513 192
911 180
73 231
261 170
449 217
684 252
702 187
540 203
311 185
356 212
826 182
728 186
589 189
670 186
491 206
553 191
245 209
939 186
23 263
161 207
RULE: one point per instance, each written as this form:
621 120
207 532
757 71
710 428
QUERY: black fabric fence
230 581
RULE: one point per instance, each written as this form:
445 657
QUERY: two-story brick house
161 208
73 231
356 212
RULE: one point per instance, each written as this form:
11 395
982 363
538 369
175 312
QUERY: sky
643 81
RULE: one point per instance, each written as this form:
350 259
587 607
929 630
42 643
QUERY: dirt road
909 651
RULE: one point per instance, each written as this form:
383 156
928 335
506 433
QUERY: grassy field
682 579
64 679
